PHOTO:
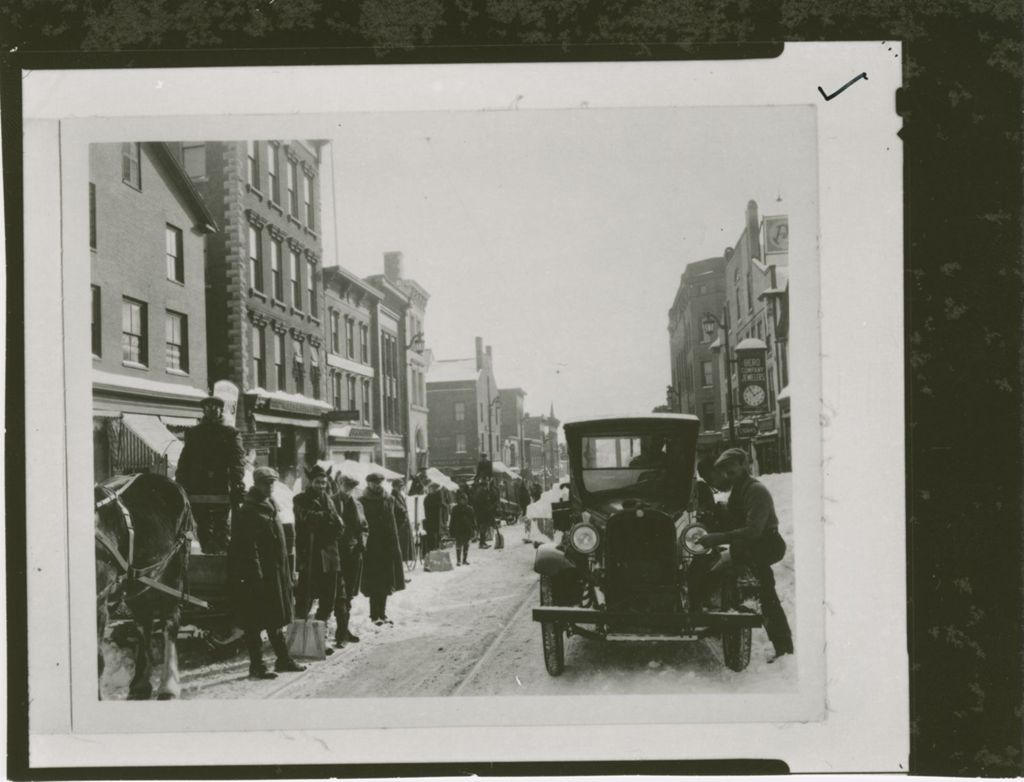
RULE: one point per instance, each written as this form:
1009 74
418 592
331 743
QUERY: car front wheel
735 643
551 633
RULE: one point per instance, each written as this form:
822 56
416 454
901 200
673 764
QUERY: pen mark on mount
856 78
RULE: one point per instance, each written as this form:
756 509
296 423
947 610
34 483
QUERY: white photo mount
850 712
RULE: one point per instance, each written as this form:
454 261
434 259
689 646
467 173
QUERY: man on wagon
210 469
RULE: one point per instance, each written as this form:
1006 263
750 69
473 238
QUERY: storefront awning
281 420
180 420
155 435
353 432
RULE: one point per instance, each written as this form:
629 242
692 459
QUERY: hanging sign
753 375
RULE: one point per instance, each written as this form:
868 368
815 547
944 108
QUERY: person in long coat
432 508
485 503
210 469
383 570
319 529
259 576
353 545
402 519
462 526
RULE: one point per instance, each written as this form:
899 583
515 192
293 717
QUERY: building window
364 343
307 191
350 338
353 403
311 288
92 215
256 258
336 390
273 180
460 443
314 371
366 400
293 195
134 337
131 165
708 416
259 355
298 367
177 341
293 263
97 334
276 278
335 332
707 374
175 254
279 361
193 158
389 381
253 154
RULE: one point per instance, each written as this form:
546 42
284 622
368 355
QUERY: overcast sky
559 236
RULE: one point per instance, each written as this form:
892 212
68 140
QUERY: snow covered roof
453 370
784 393
286 397
752 343
716 344
99 377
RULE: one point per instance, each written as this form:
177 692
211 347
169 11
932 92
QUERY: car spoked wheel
735 643
551 634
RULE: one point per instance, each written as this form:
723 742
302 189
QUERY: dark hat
732 455
265 474
316 471
348 480
212 401
398 482
375 477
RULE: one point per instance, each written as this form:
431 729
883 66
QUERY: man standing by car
210 469
353 543
754 540
259 576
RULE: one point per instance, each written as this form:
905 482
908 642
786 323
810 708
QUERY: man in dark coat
402 519
259 576
210 469
432 508
462 526
484 468
353 544
522 497
485 503
754 540
383 570
318 532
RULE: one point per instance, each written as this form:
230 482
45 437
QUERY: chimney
393 266
479 353
490 358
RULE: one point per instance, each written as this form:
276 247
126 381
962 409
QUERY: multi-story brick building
147 230
464 411
695 381
513 440
264 291
351 308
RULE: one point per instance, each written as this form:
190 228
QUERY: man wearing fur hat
319 529
210 469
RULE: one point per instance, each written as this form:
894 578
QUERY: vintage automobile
630 548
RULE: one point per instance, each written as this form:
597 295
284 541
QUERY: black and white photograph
502 414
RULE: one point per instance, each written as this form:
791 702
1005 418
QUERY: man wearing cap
754 540
259 576
210 469
353 544
383 571
318 532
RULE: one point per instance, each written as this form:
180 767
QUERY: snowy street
469 631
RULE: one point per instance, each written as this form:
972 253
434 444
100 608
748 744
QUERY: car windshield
645 463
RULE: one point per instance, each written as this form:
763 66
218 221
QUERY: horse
144 527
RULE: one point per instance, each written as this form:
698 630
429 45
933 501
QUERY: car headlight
584 538
691 537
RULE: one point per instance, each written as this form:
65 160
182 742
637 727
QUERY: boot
254 645
343 635
285 663
288 665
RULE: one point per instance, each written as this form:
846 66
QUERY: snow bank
541 509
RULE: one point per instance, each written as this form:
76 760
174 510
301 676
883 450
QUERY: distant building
513 441
464 411
352 312
147 233
543 449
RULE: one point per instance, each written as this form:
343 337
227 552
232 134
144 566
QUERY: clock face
753 396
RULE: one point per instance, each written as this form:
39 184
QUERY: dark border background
961 106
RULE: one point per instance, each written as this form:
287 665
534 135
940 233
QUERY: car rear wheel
735 643
551 633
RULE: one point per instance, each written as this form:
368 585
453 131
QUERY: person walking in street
318 532
259 576
462 526
383 570
210 469
754 541
432 508
352 546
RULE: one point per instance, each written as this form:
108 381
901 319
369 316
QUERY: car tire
551 634
735 643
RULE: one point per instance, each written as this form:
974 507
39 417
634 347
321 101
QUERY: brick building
464 411
351 309
696 382
147 230
513 439
264 292
544 452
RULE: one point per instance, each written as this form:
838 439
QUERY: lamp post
710 325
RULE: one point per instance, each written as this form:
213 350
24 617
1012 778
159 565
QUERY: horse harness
127 564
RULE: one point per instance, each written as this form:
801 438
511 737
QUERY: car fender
550 560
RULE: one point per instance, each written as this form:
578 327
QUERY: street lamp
710 326
416 343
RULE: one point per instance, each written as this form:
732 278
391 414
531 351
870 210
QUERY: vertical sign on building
753 375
